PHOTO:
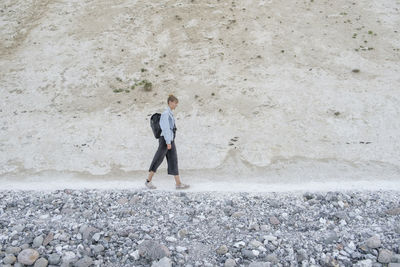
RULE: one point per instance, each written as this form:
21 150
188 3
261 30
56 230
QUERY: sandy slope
276 75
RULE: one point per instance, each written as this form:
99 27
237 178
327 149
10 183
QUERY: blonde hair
172 98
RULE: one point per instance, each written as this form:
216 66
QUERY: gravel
153 228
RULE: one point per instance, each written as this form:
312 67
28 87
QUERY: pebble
28 256
222 250
395 258
364 263
330 238
84 262
274 221
259 264
68 256
99 248
385 256
99 231
54 259
135 254
164 262
171 239
9 259
393 212
180 249
230 263
272 258
13 250
48 239
96 237
239 244
255 244
42 262
153 250
37 242
373 242
182 233
248 254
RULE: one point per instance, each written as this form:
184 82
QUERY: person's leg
151 174
172 160
177 180
158 158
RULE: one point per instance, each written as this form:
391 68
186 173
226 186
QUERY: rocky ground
155 228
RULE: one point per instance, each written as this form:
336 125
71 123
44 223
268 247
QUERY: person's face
173 105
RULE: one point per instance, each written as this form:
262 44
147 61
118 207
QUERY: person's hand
169 146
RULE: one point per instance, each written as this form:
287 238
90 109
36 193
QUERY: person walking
166 146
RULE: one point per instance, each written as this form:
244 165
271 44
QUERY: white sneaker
182 186
150 185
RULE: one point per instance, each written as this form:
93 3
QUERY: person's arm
165 129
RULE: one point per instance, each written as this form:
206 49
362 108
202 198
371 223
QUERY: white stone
135 255
170 239
239 244
180 249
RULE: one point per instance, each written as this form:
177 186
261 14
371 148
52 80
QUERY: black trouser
171 155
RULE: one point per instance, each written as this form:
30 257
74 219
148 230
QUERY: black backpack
155 124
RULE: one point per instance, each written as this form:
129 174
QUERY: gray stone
393 212
272 258
42 262
384 256
87 231
301 255
38 241
394 264
237 214
364 263
373 242
123 201
230 263
28 256
17 264
13 250
84 262
395 258
260 264
153 250
222 250
19 228
330 238
254 226
98 249
180 249
164 262
68 257
255 244
274 221
308 196
96 237
182 233
48 239
397 228
54 259
248 254
9 259
25 246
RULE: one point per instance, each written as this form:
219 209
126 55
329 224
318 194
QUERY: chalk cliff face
259 82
